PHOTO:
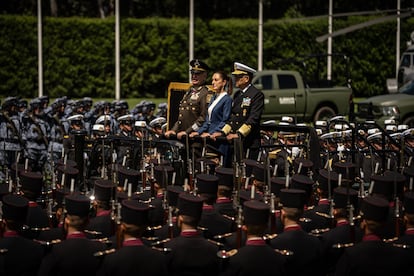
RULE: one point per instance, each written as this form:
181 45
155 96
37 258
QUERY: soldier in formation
297 201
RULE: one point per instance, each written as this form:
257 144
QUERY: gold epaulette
401 245
342 245
268 237
222 236
219 244
104 252
161 249
284 252
327 216
48 243
160 242
223 254
318 232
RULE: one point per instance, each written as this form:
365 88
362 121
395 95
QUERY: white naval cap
140 124
98 127
103 119
157 122
127 117
242 69
77 117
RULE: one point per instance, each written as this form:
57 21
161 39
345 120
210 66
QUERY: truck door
290 96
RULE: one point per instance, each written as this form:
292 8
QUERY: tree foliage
79 53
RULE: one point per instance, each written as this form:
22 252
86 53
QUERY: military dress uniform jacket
134 258
102 223
372 256
73 256
191 254
23 256
255 258
306 249
340 235
246 114
192 110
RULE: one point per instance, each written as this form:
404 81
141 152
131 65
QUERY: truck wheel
324 113
409 121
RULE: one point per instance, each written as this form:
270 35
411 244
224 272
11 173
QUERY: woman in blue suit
219 111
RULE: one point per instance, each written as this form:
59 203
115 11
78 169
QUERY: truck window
266 82
287 81
405 61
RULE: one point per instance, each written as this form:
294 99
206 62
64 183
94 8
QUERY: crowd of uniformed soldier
98 189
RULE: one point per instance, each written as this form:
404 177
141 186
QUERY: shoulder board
318 232
269 237
66 136
223 254
161 249
229 217
219 244
160 242
284 252
48 243
323 215
3 250
223 236
401 245
342 245
305 219
104 252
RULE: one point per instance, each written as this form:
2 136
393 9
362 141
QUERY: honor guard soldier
75 124
373 256
248 105
305 249
102 224
19 256
256 257
10 132
126 124
190 253
193 106
31 188
407 238
134 258
59 128
211 220
408 138
224 203
74 255
36 136
344 233
156 127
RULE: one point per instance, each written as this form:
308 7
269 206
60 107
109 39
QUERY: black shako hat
135 212
293 198
375 208
190 205
103 189
255 212
15 207
77 205
207 183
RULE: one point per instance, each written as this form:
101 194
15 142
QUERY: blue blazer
219 115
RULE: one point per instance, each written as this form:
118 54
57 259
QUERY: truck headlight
390 111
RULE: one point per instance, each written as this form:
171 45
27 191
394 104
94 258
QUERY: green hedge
79 54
